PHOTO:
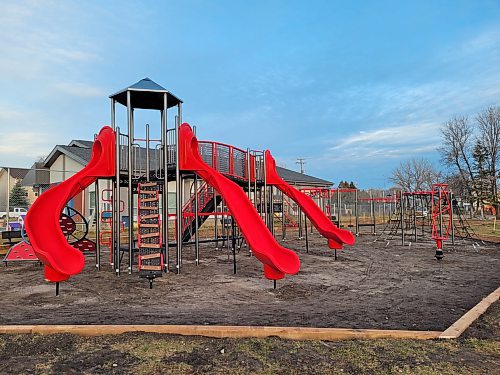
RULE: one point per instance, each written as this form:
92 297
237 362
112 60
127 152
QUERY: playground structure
421 215
237 187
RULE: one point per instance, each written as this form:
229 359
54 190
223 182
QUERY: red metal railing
205 194
226 159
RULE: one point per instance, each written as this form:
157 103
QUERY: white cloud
21 148
80 89
38 38
396 135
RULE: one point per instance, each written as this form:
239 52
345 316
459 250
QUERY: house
37 180
8 178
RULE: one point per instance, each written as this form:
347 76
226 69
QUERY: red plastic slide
42 221
277 260
336 237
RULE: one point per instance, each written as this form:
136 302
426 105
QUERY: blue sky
352 86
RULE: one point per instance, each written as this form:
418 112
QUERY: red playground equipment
142 175
42 224
336 237
277 260
442 219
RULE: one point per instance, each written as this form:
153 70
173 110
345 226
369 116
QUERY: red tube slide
336 237
277 259
61 260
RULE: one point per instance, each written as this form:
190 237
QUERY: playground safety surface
371 285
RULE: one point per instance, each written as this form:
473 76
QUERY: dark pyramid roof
147 84
146 94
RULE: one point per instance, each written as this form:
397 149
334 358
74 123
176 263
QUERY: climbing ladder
150 258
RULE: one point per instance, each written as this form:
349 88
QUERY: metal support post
440 208
414 218
115 248
372 212
305 229
249 186
402 205
266 218
216 219
356 212
283 224
7 215
300 222
97 216
339 208
233 243
178 182
196 222
452 222
271 208
164 148
113 124
130 119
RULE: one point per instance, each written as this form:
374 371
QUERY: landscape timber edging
291 333
456 329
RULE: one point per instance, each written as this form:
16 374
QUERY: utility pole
301 162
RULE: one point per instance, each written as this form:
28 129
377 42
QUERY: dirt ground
371 285
478 352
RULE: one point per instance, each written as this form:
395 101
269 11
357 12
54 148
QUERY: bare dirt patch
371 285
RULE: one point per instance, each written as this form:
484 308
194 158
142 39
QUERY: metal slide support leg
283 224
233 243
216 219
300 223
271 208
305 229
196 222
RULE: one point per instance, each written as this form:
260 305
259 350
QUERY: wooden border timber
456 329
291 333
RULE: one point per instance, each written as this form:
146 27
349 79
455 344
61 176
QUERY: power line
301 162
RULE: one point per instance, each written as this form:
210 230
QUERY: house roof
146 94
301 178
37 175
17 173
81 143
79 154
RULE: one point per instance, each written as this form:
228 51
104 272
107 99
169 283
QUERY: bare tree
489 127
457 137
415 175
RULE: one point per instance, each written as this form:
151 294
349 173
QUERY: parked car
14 213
